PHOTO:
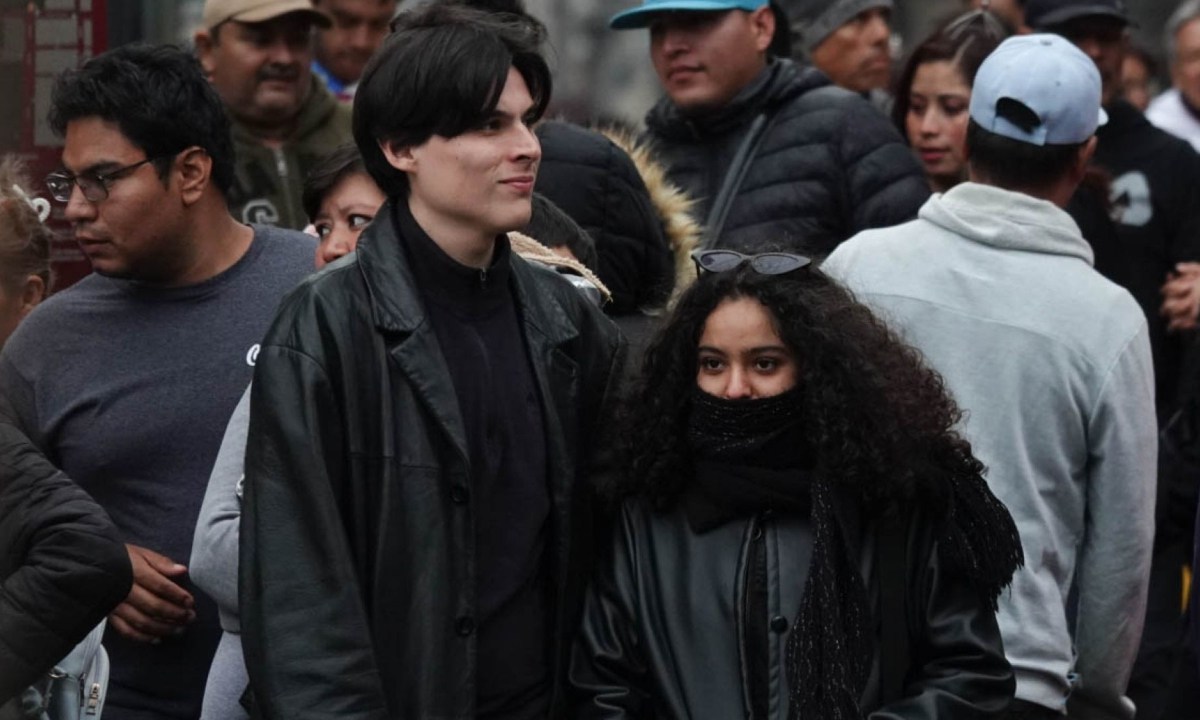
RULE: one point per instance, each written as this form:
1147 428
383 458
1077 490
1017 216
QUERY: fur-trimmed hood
613 189
674 206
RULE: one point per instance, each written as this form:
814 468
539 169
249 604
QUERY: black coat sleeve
305 630
958 668
63 566
608 670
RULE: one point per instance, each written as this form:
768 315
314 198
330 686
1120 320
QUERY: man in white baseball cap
1050 362
258 55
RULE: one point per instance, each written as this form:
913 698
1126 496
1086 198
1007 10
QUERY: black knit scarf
750 456
753 455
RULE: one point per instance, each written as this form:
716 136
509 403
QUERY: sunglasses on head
768 263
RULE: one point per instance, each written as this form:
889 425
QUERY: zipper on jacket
483 278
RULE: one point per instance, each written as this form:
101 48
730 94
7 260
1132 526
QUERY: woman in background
934 92
24 248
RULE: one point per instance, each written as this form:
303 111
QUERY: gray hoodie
1051 363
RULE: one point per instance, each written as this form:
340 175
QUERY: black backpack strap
891 552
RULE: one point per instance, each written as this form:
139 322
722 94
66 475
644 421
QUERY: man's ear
205 42
1086 151
762 23
399 156
194 166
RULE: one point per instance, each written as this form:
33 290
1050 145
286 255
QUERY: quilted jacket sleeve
885 183
63 566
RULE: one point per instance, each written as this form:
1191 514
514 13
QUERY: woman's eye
357 222
323 230
954 107
766 364
710 364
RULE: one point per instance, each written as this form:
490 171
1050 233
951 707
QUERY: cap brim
640 17
1067 14
270 12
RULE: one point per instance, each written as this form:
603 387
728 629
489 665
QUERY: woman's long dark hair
877 417
964 41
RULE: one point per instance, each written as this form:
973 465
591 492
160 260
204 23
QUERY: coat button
458 494
779 624
464 626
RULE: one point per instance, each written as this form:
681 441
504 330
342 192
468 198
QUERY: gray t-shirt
128 389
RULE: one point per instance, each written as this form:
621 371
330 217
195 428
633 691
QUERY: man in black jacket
418 510
776 156
1155 198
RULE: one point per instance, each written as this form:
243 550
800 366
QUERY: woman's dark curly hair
877 417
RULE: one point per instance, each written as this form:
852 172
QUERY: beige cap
255 11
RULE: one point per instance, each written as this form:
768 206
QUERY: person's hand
1181 297
156 607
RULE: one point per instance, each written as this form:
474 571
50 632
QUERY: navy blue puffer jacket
829 165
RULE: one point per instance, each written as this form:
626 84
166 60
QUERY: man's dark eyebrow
95 168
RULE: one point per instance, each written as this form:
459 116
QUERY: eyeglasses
768 263
93 185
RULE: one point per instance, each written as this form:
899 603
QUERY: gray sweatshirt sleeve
1113 567
214 562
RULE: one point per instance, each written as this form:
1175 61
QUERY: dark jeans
1165 684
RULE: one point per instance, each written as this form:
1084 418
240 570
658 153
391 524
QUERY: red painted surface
58 34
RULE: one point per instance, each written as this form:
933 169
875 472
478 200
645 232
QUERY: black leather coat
358 575
664 625
63 565
829 165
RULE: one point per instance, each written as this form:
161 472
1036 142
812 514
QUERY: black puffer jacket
63 566
668 619
358 574
598 185
828 166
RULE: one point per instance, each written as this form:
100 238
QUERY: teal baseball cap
639 17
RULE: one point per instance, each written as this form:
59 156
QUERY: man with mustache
258 54
773 152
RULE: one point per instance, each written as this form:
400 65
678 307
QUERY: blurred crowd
847 384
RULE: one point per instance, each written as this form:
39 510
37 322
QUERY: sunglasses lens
718 261
778 263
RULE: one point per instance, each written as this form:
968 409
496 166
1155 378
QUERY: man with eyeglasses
1050 363
1155 199
126 379
258 55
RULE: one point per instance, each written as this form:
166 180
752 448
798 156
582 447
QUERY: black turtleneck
477 323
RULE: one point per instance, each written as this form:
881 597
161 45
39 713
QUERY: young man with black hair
1051 364
425 421
126 379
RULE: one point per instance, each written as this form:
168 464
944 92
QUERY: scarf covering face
754 455
751 456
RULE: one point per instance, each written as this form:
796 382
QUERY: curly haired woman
803 534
